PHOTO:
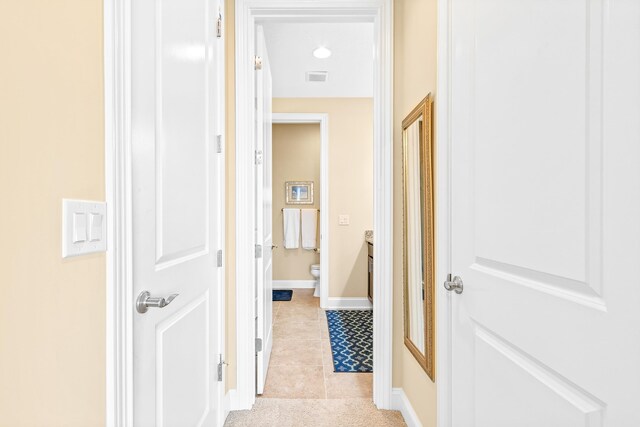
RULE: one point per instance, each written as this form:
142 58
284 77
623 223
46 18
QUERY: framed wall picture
299 192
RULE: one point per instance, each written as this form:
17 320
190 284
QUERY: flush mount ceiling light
322 52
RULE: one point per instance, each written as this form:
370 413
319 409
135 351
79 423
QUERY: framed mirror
418 236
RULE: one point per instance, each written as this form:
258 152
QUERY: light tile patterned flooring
301 365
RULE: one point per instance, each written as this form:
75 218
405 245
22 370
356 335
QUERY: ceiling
290 48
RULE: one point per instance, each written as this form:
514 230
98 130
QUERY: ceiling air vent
317 76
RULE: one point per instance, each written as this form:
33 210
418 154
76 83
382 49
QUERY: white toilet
315 272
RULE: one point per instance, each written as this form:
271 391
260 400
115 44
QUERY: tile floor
301 365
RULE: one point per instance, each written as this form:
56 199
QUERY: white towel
291 227
309 228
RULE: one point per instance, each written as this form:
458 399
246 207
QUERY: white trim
323 120
119 320
348 303
443 215
294 284
380 12
400 402
229 403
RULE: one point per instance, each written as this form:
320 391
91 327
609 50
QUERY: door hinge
218 144
219 257
258 345
220 366
258 251
258 159
219 25
257 62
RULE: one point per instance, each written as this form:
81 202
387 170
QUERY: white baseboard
400 402
294 284
229 402
346 303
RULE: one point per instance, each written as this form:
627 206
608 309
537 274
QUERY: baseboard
400 402
294 284
229 402
348 303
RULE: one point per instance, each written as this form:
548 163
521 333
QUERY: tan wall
296 157
52 312
350 185
414 77
230 198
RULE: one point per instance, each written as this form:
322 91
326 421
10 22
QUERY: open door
545 213
264 225
175 234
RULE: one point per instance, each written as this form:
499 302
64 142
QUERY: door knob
145 301
455 285
274 247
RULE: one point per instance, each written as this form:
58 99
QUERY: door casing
378 12
118 193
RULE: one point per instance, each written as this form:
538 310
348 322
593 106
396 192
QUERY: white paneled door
545 212
264 205
175 200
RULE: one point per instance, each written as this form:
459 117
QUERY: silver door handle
455 285
145 301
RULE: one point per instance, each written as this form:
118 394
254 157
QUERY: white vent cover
317 76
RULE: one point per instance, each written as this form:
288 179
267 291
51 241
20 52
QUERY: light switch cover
83 227
343 219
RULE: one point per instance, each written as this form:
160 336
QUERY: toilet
315 272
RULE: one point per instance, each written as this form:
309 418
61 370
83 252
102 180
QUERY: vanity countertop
368 236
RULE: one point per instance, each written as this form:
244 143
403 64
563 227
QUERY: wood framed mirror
418 234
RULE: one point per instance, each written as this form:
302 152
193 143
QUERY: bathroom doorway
379 202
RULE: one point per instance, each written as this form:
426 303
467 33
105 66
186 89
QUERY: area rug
282 295
351 337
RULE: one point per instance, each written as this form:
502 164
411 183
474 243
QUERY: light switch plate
83 227
343 219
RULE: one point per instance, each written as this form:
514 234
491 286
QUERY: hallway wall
52 311
350 185
414 76
296 157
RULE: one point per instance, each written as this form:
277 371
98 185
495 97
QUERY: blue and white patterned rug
351 337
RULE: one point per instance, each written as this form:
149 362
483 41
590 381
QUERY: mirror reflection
419 235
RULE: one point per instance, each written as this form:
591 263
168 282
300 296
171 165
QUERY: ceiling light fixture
322 52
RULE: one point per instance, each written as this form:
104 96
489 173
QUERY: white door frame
323 120
380 13
443 215
118 195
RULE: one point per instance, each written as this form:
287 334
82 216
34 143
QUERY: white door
175 229
545 212
264 225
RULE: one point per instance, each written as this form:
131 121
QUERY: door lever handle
455 285
146 301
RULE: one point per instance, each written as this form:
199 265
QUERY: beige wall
350 185
414 77
230 198
52 312
296 157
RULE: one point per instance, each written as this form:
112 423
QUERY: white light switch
343 219
79 227
83 227
95 227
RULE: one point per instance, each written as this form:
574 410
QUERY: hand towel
309 228
291 227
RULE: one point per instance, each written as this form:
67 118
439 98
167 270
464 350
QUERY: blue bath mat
282 295
351 337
